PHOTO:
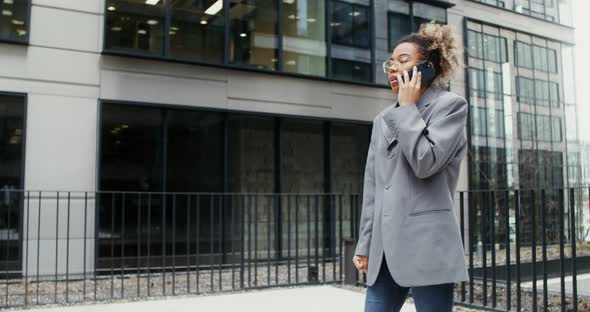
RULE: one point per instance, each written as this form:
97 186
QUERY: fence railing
525 248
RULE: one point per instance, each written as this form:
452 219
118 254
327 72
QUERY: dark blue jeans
387 296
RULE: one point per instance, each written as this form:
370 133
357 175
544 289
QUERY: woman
409 236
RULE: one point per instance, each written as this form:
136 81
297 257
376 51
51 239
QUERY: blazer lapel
387 133
424 101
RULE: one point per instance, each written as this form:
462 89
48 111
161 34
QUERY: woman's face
405 56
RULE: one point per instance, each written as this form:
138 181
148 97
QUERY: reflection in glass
253 40
350 24
303 156
197 30
251 154
351 70
135 26
304 37
194 151
399 26
12 112
13 20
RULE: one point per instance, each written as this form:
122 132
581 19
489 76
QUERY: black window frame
545 17
353 6
21 186
27 38
412 18
279 71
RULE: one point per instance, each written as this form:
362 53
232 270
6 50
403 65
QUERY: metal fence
524 248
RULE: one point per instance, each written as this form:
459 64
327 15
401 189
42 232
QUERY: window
556 129
197 30
135 26
540 58
486 122
14 20
523 55
251 151
525 90
526 126
147 149
399 22
552 60
350 24
253 34
554 94
304 37
494 48
351 143
12 112
544 9
399 26
541 92
475 44
351 70
486 83
303 156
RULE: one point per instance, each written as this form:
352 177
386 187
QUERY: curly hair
438 43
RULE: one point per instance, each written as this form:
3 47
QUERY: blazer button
387 186
390 155
425 131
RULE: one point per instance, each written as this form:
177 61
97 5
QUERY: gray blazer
410 178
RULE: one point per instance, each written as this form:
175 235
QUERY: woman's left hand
409 90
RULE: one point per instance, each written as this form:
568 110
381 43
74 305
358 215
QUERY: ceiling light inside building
152 22
8 1
354 13
204 22
215 8
289 1
142 32
243 35
6 12
21 32
172 33
111 8
152 2
116 28
17 22
311 20
335 24
291 62
174 28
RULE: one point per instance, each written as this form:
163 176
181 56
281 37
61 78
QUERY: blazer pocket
426 212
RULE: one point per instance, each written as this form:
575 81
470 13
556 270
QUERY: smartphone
426 69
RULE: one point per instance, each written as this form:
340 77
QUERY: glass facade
254 39
14 20
401 23
197 30
180 151
519 89
304 37
12 114
558 11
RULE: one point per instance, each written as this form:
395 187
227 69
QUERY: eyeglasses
388 64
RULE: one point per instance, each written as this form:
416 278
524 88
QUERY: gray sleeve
429 148
366 220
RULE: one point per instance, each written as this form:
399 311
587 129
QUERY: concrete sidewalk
304 299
